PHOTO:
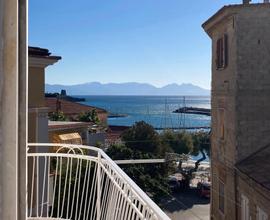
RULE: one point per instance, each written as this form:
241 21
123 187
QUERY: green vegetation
177 142
57 116
142 137
141 141
90 116
152 178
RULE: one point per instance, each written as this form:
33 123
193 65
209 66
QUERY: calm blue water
155 110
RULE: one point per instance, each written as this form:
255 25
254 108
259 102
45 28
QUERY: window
244 208
222 52
261 215
221 123
221 198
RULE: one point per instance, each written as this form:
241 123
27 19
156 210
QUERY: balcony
80 183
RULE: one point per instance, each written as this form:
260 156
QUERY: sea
155 110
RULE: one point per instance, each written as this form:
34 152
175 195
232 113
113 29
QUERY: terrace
81 182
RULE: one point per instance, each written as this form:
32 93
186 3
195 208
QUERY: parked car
204 189
174 184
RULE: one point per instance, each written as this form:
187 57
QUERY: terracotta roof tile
70 108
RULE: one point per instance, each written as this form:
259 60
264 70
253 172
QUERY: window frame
222 52
221 197
221 124
245 210
261 214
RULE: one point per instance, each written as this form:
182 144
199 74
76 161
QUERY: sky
147 41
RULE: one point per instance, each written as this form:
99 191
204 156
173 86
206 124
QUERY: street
187 206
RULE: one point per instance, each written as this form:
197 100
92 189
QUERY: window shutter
221 63
226 50
217 53
222 52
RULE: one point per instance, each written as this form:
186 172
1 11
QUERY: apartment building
240 111
39 60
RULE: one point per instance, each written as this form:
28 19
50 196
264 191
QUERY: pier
185 128
193 110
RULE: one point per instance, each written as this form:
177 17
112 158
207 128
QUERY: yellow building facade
39 60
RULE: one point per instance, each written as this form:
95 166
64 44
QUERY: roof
63 125
257 167
115 132
229 8
41 53
70 108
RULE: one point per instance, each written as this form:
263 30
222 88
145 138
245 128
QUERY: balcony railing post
98 185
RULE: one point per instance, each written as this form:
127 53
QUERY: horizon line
151 84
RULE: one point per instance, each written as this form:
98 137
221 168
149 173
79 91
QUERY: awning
70 138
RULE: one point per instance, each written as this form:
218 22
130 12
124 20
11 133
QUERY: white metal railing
81 183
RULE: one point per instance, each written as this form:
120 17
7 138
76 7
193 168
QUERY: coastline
115 115
155 110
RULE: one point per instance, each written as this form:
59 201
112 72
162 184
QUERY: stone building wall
223 100
241 91
258 196
253 79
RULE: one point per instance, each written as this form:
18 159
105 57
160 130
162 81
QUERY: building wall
240 98
96 138
253 79
38 125
223 114
37 115
32 127
36 83
256 194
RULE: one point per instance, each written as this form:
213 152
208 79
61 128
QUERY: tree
90 116
141 141
152 179
190 144
201 145
57 116
142 137
179 142
119 152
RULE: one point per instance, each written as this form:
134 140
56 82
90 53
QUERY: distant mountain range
132 88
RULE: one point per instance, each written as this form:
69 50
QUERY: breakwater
193 110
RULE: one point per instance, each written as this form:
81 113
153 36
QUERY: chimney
246 2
